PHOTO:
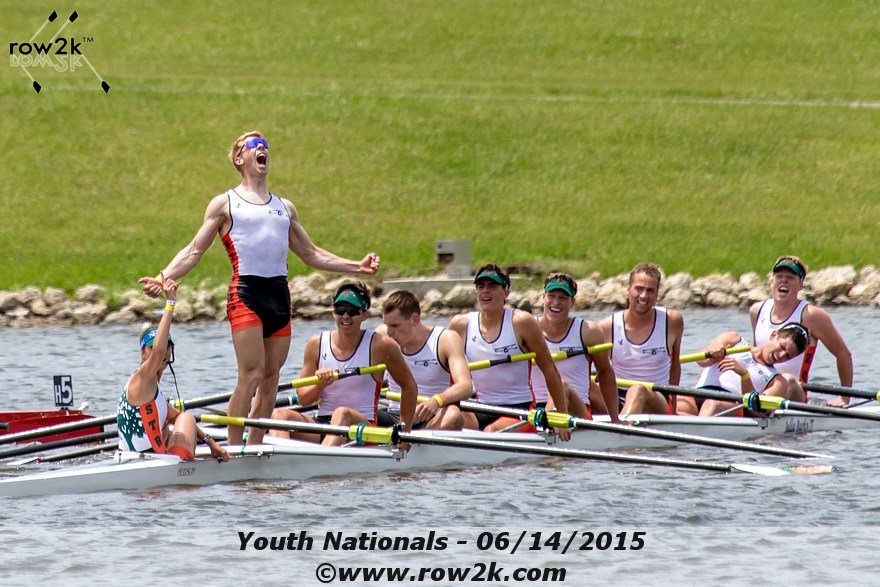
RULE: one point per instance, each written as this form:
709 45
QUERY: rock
18 312
88 313
676 299
829 283
868 287
586 293
123 316
39 308
751 281
313 312
612 292
749 297
703 286
90 293
721 299
183 311
9 300
302 294
677 281
29 295
334 284
432 301
54 296
460 296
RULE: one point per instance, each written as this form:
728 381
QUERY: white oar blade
781 471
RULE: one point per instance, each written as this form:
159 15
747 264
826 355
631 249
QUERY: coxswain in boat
496 332
435 357
564 332
752 370
784 307
257 228
647 343
144 416
350 400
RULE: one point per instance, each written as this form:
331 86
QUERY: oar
58 429
702 355
545 419
755 401
73 454
557 356
32 448
363 434
841 390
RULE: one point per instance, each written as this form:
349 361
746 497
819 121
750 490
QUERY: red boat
21 421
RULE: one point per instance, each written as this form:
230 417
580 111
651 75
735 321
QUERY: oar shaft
30 449
557 356
702 355
841 390
58 429
83 452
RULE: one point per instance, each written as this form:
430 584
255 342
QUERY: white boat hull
290 460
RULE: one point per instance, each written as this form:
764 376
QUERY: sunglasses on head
253 143
343 309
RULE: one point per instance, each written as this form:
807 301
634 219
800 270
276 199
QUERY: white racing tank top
429 373
648 361
760 373
798 366
359 392
505 384
574 370
257 241
132 435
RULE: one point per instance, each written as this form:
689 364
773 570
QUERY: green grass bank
705 136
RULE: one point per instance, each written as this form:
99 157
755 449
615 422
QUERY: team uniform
798 366
257 245
506 384
712 377
142 428
359 393
645 361
574 370
430 375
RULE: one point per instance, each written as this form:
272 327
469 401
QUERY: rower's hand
840 402
716 352
169 288
151 286
730 364
326 375
369 264
403 446
426 410
564 434
219 453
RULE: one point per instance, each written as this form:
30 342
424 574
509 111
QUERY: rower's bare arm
676 331
314 256
389 353
528 329
452 353
717 347
216 219
311 393
458 324
753 317
591 335
819 323
605 327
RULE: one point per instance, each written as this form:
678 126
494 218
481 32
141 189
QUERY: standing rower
647 343
784 307
564 332
496 332
435 356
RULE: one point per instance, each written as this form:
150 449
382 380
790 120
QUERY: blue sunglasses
253 143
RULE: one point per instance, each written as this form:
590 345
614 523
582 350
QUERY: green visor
351 296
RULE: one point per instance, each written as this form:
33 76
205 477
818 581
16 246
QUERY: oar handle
702 355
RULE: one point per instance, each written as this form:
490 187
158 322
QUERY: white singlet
359 392
798 366
574 370
505 384
429 373
760 373
257 242
646 361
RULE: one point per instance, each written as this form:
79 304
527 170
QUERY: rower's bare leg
184 434
470 421
342 417
501 423
576 406
448 418
251 358
276 350
685 405
641 400
292 416
793 391
597 400
711 407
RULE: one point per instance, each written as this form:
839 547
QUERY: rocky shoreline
311 296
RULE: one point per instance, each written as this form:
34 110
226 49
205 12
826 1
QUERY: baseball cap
351 296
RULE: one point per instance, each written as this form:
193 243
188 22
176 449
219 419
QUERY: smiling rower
784 307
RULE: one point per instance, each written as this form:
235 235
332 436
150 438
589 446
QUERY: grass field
702 135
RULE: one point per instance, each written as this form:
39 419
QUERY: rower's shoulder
458 322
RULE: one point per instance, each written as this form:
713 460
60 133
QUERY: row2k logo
61 54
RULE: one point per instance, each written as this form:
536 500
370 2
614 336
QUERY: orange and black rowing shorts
259 301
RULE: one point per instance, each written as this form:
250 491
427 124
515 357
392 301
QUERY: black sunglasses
343 309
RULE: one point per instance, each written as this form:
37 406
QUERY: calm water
720 529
